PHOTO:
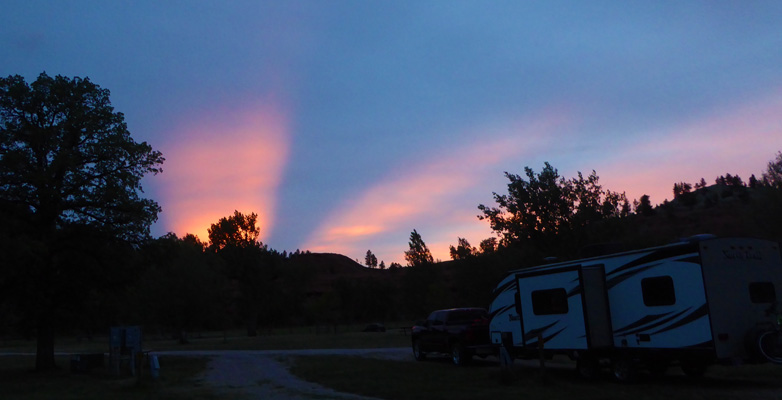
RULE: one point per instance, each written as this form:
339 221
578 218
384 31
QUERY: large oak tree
68 168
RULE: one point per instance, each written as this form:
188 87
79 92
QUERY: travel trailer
697 302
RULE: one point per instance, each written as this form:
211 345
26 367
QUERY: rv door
596 310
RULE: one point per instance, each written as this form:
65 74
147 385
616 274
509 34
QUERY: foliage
773 174
489 245
463 250
370 260
418 254
644 206
182 288
238 231
542 207
69 171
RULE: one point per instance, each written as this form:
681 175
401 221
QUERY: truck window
762 292
439 318
549 301
457 317
658 291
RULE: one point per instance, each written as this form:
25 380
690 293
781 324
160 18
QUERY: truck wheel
417 352
587 367
460 355
624 370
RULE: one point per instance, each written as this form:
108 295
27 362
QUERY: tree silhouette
238 230
543 206
644 207
463 250
370 260
249 263
681 188
488 245
68 166
418 254
773 175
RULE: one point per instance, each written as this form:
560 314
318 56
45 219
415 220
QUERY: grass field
19 381
178 375
386 379
438 379
329 337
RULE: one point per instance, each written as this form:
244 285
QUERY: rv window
658 291
762 292
550 301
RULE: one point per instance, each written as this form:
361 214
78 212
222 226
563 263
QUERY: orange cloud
223 162
740 142
437 197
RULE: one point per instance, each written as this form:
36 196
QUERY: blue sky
347 124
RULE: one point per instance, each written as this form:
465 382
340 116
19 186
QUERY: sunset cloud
438 196
739 141
221 162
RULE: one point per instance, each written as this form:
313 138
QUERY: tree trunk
44 357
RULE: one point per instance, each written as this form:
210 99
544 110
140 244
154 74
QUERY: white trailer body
704 300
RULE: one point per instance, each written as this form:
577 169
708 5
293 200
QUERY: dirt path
264 374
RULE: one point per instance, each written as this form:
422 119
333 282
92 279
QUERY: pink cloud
437 197
738 142
223 162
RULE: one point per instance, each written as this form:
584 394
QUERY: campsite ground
353 365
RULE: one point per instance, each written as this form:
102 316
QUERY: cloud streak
739 141
221 162
438 196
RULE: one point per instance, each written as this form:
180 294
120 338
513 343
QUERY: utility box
124 347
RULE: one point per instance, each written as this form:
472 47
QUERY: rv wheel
770 346
587 367
417 353
624 369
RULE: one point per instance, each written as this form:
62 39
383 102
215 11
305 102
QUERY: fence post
542 355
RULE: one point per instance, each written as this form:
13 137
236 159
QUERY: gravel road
264 374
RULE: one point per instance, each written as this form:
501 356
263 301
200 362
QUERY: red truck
460 332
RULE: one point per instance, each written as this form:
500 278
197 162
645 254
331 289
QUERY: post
506 361
542 355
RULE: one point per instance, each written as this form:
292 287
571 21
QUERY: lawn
179 375
339 337
438 379
178 380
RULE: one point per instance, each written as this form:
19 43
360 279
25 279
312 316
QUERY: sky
345 125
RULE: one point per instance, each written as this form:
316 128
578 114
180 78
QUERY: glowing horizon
397 202
207 176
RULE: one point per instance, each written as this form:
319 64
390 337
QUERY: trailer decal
699 313
655 324
642 321
659 255
532 334
627 275
504 288
501 310
546 339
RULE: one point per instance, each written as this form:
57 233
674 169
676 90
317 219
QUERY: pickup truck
460 332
